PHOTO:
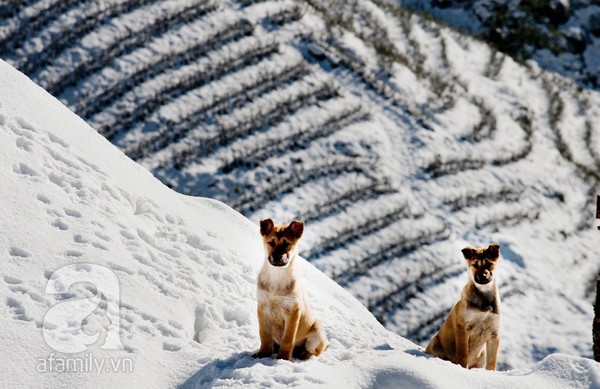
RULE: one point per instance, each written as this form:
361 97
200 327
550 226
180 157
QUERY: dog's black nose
483 278
278 260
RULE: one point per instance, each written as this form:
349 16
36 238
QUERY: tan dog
284 316
470 336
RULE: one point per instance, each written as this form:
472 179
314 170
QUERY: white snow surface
395 163
186 269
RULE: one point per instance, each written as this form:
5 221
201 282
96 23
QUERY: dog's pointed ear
296 229
468 252
266 226
492 252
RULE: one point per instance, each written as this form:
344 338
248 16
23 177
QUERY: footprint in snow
17 252
99 246
72 213
171 347
25 170
60 224
24 143
55 139
102 236
43 199
16 308
11 280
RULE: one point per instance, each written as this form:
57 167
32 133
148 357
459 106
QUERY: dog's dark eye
272 243
284 242
475 265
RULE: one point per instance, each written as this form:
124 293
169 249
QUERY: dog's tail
316 342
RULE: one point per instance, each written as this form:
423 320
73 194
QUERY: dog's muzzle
279 261
483 277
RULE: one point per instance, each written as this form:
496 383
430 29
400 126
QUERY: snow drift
185 270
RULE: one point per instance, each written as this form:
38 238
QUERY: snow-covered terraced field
562 35
399 142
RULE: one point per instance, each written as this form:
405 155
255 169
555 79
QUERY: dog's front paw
262 354
284 354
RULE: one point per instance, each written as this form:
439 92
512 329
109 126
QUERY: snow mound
185 270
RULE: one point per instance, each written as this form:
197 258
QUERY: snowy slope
186 270
397 140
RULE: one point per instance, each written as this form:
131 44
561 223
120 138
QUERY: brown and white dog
470 336
284 316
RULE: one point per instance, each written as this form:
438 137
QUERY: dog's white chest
484 323
279 293
276 309
274 304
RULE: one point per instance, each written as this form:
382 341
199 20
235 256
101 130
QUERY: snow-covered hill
185 270
398 141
